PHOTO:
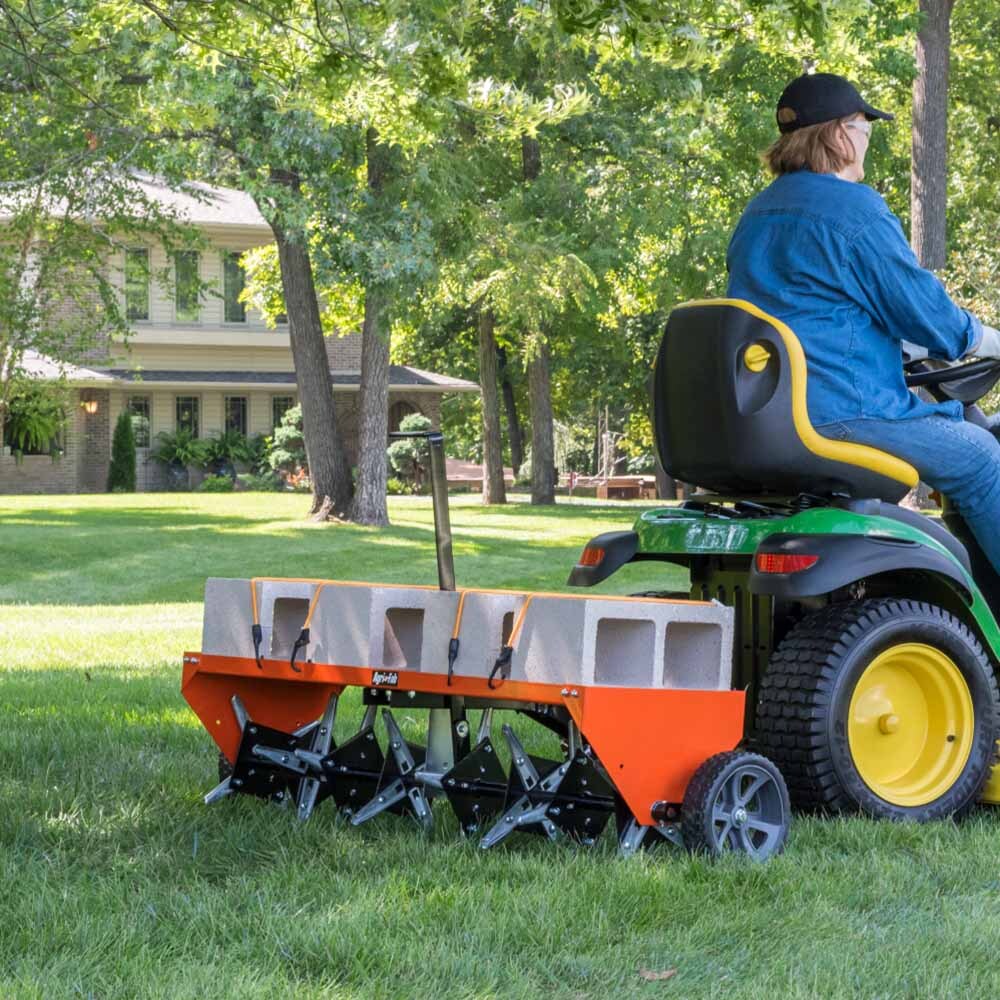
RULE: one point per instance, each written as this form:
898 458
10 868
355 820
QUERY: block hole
624 651
506 627
404 635
692 655
289 617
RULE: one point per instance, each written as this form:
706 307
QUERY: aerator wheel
225 768
889 706
736 801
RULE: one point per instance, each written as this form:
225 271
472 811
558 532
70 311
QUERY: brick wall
42 473
94 442
344 352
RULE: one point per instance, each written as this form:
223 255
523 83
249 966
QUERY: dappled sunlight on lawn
111 636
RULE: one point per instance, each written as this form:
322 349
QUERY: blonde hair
825 149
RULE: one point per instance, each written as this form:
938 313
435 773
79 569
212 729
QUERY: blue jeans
959 459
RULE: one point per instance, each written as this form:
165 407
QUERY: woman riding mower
822 252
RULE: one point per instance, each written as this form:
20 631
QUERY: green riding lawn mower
866 635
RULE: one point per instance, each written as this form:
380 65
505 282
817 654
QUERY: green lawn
115 881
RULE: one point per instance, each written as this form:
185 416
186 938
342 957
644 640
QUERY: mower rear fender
602 556
830 562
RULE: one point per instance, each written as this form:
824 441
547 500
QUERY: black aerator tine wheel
736 801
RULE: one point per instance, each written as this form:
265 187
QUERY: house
203 362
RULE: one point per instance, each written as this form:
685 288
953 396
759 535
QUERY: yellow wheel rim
910 724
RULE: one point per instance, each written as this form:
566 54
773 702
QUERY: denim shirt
828 257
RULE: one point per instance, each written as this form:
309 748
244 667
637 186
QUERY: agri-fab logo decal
385 677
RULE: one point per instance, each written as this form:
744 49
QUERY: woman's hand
989 344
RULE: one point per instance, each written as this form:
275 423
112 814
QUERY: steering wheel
965 382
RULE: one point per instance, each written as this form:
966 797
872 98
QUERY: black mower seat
730 412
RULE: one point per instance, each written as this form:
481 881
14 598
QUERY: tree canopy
571 168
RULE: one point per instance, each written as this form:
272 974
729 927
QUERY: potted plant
223 451
178 452
35 420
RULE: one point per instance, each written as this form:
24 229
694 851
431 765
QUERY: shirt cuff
976 332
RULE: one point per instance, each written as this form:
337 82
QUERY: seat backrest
729 404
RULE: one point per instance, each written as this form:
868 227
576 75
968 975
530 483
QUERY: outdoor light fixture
89 406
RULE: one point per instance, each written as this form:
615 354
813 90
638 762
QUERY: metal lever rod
439 497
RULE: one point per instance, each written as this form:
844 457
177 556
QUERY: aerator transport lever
439 497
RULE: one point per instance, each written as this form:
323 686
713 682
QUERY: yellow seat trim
859 455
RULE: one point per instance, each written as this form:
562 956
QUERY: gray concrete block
340 630
283 606
564 640
550 647
227 618
410 628
487 620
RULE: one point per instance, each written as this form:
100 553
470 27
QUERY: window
137 284
233 280
186 286
187 414
236 414
137 408
280 405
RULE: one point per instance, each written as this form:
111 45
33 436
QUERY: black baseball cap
814 98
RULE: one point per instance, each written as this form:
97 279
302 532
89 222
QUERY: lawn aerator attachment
637 691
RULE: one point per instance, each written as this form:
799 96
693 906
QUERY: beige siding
159 357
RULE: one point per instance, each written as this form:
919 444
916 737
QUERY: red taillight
779 562
591 556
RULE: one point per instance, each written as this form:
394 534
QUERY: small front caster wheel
736 801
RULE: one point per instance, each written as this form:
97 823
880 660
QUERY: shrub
258 448
215 484
268 482
288 448
408 456
121 475
399 488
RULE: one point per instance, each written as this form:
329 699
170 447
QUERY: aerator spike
476 787
531 795
266 764
322 740
399 789
634 837
353 771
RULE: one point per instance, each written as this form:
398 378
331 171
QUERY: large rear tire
888 706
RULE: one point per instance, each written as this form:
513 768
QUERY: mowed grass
115 880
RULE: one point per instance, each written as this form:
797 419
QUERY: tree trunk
515 434
929 179
370 505
542 444
539 378
329 471
494 490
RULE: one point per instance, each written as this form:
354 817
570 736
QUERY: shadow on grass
137 555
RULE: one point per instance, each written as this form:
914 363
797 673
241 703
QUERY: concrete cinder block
227 618
563 640
340 630
410 627
487 620
550 648
283 606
